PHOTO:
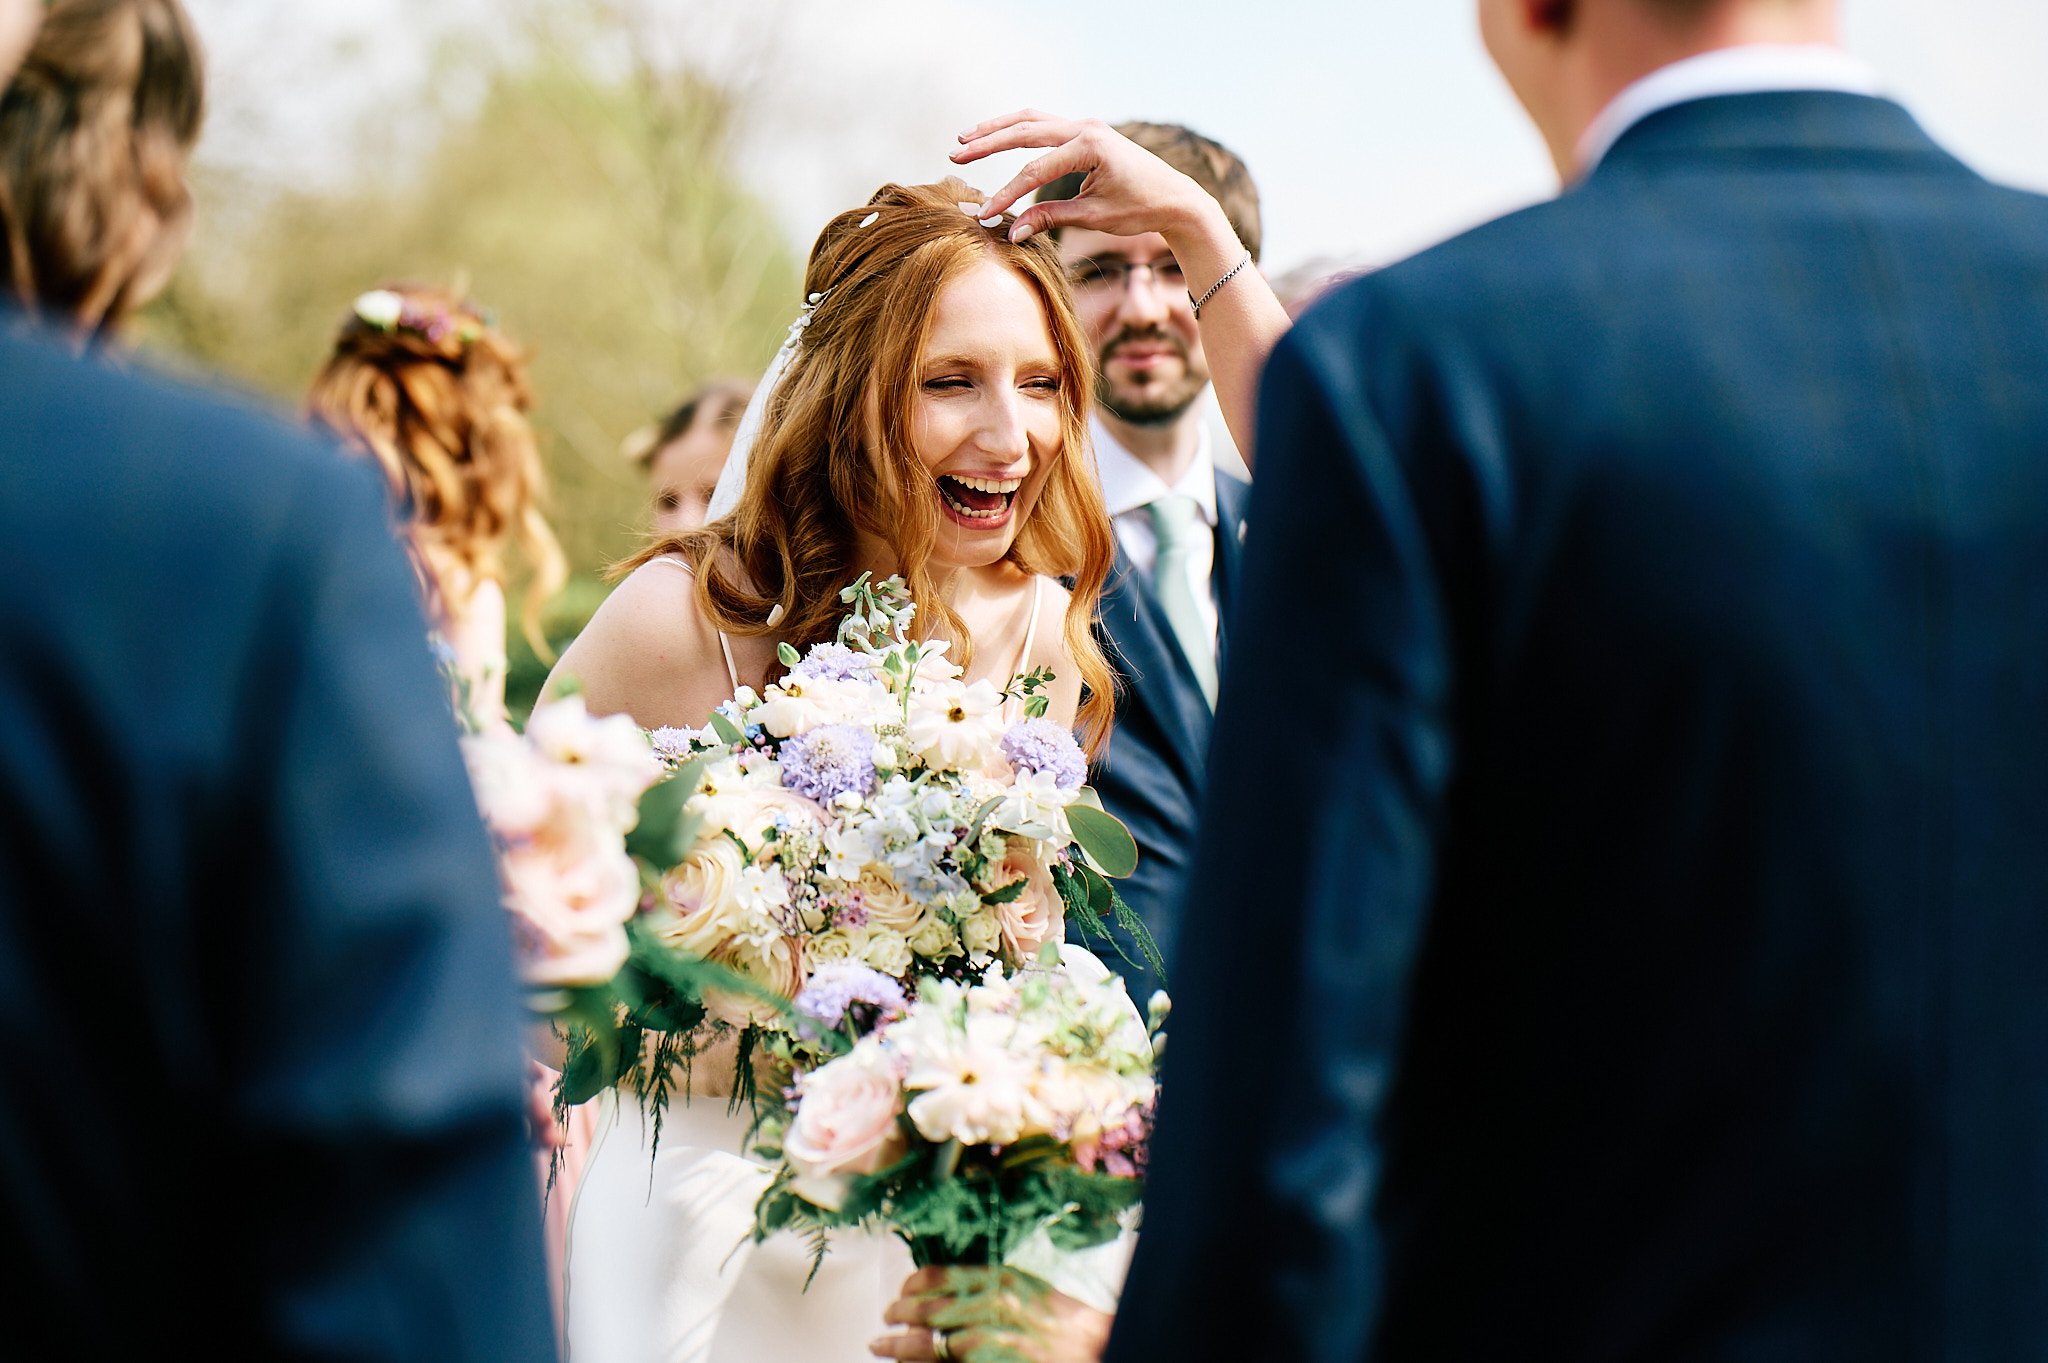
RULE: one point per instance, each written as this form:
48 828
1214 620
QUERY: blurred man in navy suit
1179 519
1622 907
265 1097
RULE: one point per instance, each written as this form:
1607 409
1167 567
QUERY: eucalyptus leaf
666 831
1104 838
727 731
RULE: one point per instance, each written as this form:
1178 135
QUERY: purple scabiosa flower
1042 746
829 761
833 662
839 985
672 745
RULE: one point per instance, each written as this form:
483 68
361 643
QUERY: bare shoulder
648 652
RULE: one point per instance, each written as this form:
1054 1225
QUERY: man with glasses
1179 520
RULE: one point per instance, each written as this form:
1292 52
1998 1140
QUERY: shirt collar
1756 68
1128 485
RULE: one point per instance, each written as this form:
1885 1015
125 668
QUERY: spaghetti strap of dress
724 644
1030 627
1030 641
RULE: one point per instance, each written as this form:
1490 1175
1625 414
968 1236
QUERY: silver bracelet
1198 302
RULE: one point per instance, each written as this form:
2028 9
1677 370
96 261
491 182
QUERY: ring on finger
942 1347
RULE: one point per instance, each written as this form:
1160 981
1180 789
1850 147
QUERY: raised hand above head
1129 192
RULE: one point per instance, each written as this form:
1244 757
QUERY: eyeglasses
1112 274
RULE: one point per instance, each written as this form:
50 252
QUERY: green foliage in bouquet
951 1210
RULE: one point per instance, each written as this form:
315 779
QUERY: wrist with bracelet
1230 274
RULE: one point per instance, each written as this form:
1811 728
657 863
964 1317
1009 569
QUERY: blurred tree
581 191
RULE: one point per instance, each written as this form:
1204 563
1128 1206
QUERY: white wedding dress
662 1266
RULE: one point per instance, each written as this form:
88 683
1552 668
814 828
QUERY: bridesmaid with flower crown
423 382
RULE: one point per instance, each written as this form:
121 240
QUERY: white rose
935 939
835 944
701 909
982 932
774 963
887 951
886 904
800 704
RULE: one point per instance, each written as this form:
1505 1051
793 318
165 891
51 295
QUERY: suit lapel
1149 659
1233 496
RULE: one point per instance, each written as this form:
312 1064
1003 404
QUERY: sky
1373 127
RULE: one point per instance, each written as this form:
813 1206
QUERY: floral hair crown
388 311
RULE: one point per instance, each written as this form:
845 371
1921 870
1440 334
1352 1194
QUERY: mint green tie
1176 520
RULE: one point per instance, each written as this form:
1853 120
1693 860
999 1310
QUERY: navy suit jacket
264 1097
1151 774
1621 926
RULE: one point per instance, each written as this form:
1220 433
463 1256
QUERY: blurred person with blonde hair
686 451
426 384
95 130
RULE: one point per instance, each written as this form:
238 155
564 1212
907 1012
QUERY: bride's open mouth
978 503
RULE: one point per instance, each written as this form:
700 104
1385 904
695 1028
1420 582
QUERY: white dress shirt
1757 68
1130 488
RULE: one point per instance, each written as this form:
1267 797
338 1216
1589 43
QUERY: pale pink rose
571 903
1037 915
845 1124
699 909
513 792
607 762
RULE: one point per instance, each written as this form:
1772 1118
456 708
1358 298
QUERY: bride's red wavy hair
834 459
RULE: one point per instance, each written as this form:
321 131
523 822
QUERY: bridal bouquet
984 1113
871 808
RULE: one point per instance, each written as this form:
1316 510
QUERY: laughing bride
927 418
